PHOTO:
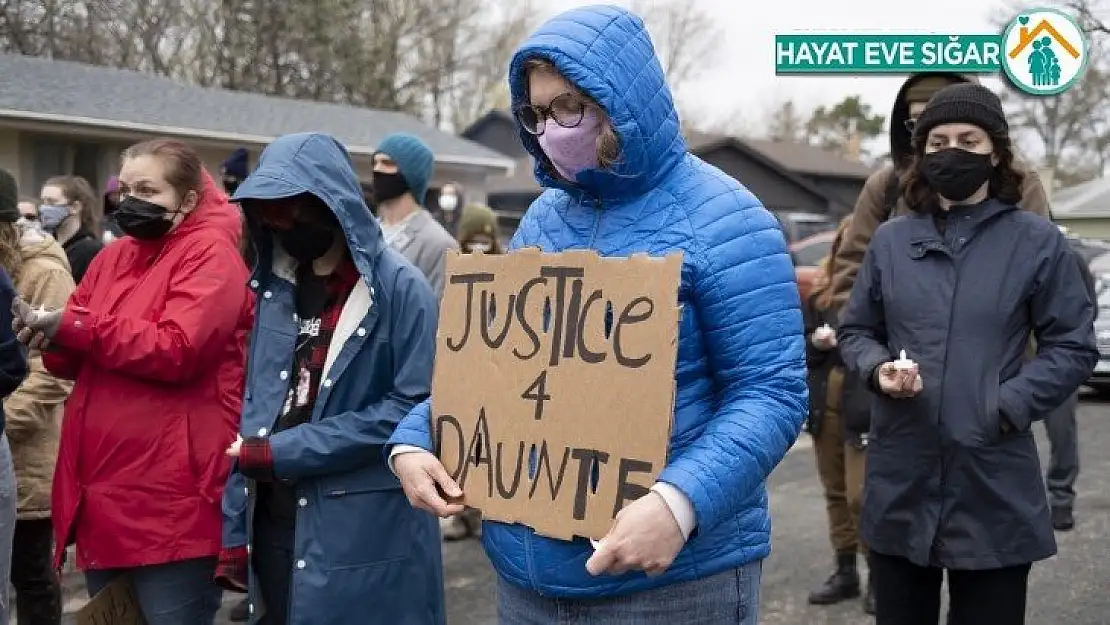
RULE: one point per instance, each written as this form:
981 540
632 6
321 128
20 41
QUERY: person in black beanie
938 323
13 370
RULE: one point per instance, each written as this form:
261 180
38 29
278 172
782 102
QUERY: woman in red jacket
155 339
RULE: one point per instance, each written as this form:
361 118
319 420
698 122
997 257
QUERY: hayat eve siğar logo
1045 51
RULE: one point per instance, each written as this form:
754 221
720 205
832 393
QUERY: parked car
807 253
798 225
1100 379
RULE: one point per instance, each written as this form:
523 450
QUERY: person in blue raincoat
595 112
341 350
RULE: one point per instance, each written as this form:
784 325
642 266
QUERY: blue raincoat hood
606 52
318 164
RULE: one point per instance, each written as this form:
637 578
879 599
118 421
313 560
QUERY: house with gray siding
59 117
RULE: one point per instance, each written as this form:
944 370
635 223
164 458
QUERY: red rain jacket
155 337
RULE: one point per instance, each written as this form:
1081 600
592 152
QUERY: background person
68 212
108 225
609 151
953 478
33 415
838 405
478 231
156 348
28 209
403 166
880 199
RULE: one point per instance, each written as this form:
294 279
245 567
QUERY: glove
34 328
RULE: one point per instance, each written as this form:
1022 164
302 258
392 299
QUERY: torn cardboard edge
115 604
536 353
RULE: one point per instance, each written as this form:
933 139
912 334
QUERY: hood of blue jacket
318 164
606 52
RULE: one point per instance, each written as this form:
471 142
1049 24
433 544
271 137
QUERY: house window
56 157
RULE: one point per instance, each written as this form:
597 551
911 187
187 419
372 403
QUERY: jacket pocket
367 527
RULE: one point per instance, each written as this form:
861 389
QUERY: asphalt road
1070 588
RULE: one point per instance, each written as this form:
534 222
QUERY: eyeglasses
566 109
910 123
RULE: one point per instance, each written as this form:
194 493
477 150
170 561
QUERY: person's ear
190 201
75 207
994 159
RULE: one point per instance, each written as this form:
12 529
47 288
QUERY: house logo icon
1045 51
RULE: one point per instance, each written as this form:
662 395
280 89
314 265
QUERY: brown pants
841 468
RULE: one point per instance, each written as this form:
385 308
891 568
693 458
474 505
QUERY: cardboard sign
115 604
553 392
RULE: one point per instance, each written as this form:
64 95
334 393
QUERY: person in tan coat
879 199
41 273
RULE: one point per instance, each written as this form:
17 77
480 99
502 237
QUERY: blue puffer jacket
741 373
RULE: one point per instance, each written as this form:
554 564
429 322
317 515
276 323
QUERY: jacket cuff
398 450
231 569
680 506
256 459
75 330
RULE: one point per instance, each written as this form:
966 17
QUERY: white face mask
478 246
448 202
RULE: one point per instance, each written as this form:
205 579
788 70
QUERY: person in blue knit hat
235 169
403 166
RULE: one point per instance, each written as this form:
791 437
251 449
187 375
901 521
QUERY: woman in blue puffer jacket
595 112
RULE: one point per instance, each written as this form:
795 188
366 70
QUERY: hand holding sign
420 474
645 536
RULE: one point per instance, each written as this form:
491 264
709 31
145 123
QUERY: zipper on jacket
597 222
940 436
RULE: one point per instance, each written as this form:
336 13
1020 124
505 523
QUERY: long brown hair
183 164
77 189
822 290
11 258
608 144
1004 183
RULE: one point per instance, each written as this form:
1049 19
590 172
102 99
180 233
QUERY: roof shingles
76 90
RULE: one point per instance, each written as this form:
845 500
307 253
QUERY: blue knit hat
414 160
236 165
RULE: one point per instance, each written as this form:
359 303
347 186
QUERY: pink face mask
572 150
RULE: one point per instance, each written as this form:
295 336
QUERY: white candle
903 363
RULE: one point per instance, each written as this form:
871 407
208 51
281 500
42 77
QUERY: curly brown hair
11 258
1004 182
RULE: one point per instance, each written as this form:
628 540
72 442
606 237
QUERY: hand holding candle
900 378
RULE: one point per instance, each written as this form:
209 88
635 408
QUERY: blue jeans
8 501
175 593
728 598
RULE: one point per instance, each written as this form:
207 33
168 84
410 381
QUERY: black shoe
240 612
1062 519
842 585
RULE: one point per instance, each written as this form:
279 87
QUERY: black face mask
956 174
142 219
306 241
231 184
389 186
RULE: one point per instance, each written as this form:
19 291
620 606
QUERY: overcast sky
741 81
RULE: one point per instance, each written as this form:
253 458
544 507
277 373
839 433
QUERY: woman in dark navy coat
953 479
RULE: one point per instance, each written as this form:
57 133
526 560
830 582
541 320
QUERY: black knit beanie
967 103
9 198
